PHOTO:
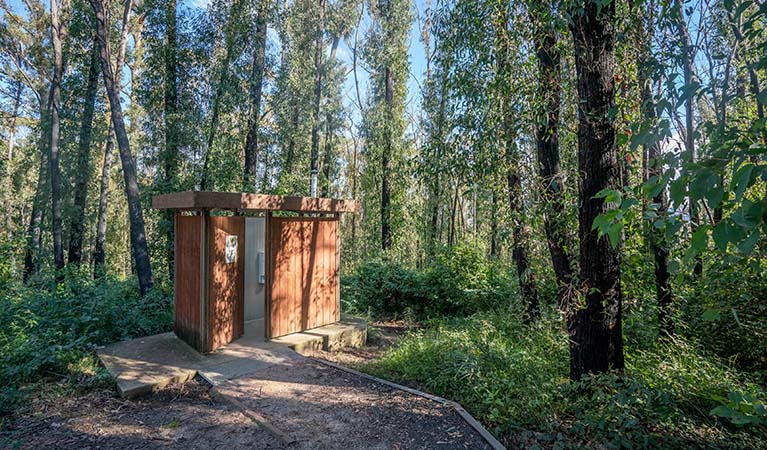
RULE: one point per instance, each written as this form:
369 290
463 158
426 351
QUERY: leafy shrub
514 377
460 281
727 313
48 332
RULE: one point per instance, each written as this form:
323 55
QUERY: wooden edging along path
486 435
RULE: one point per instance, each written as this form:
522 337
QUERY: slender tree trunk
136 216
494 247
327 160
689 127
77 225
256 88
58 34
170 157
547 145
220 88
34 229
596 337
14 117
386 238
99 253
654 166
520 236
319 46
753 76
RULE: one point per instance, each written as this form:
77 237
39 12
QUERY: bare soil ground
316 406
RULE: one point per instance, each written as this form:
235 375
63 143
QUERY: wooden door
304 266
226 271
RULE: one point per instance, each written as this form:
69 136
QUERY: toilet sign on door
230 253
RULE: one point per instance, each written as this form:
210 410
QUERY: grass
514 379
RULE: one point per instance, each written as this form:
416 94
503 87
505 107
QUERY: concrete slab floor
143 365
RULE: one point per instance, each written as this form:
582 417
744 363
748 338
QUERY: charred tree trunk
547 146
99 254
170 156
77 224
136 216
596 337
386 238
654 166
256 89
520 235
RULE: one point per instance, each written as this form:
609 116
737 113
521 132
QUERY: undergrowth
50 331
514 378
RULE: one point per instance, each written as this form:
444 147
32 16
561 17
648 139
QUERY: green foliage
48 332
460 281
514 377
727 314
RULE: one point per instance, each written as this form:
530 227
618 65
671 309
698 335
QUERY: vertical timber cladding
305 273
227 279
188 280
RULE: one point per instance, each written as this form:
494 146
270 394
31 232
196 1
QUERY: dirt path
321 408
314 405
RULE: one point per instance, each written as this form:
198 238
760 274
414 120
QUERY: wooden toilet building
237 261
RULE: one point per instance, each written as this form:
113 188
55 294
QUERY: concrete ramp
141 366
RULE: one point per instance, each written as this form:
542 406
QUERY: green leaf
614 232
711 315
742 180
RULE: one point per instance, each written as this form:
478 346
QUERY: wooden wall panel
227 281
304 267
187 280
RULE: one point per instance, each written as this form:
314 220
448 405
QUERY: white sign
230 253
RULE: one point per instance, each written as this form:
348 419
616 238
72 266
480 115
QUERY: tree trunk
83 161
386 238
689 126
136 216
99 254
58 34
547 145
654 166
256 88
220 88
520 236
170 156
327 160
34 229
596 337
318 50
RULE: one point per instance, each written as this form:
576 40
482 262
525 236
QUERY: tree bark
136 216
520 236
327 160
596 337
654 165
99 253
170 156
386 238
547 146
689 118
319 46
58 35
34 229
77 224
256 89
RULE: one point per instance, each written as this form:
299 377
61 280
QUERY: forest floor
315 406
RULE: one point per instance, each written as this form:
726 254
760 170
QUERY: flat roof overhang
241 201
